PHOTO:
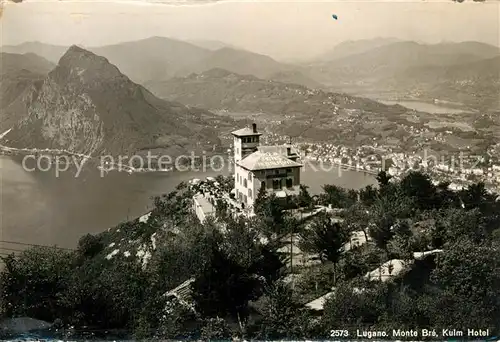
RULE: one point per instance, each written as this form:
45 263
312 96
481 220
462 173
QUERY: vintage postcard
249 170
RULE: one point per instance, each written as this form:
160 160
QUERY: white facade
245 192
257 166
248 183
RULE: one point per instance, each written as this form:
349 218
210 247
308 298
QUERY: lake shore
64 208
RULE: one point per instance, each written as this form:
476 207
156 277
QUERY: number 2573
339 333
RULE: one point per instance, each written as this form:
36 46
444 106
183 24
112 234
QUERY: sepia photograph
249 170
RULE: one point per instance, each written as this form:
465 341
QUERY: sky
285 30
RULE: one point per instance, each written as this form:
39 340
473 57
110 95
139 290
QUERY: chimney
288 151
254 127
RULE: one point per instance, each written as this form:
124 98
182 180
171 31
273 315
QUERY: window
288 170
245 182
237 150
276 184
249 193
237 177
245 199
289 183
249 176
263 184
276 171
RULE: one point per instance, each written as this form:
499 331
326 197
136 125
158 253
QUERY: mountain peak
75 47
76 55
85 65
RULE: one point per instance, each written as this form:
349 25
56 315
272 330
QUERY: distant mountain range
374 66
160 58
475 83
410 69
85 104
17 74
50 52
29 61
354 47
212 44
392 59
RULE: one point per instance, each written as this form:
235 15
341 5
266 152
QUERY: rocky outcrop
87 105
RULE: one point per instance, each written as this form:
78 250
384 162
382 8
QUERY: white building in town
276 168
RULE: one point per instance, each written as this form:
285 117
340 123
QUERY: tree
445 197
356 218
268 266
326 238
474 196
352 197
215 329
380 229
224 288
335 196
304 198
106 294
368 195
283 316
468 276
89 246
272 215
241 242
350 307
173 321
383 178
32 283
384 214
260 201
226 183
184 255
405 310
459 223
400 246
221 209
419 186
355 263
238 268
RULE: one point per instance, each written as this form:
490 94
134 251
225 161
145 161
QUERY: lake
433 108
39 208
